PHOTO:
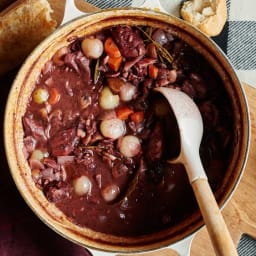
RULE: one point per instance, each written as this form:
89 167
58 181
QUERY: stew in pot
97 136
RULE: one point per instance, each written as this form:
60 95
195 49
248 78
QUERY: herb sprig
163 51
96 71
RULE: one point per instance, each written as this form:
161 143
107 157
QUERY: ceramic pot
24 84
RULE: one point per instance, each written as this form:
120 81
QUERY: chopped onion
113 128
65 159
82 185
129 146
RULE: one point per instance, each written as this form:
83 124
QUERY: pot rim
10 117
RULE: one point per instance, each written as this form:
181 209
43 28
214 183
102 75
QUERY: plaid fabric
241 38
110 4
247 246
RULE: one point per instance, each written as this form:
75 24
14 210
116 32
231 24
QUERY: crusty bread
22 26
209 16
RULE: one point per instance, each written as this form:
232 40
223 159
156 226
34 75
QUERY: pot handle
71 11
182 248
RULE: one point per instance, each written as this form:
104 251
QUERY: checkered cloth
247 246
237 40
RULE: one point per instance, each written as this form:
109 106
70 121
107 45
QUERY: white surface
243 10
170 7
247 76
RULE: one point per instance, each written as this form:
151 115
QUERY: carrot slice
123 112
152 71
54 96
137 117
115 63
111 48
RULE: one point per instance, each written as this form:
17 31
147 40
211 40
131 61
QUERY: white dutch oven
178 237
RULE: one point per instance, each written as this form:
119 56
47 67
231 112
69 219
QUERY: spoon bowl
190 127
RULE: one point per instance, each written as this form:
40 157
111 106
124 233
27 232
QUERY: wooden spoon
190 126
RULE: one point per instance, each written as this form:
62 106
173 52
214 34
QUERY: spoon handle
217 229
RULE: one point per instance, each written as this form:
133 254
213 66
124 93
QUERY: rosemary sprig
163 51
96 71
90 147
132 185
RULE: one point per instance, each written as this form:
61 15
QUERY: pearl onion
130 146
37 155
82 185
127 92
110 192
40 95
92 48
113 128
107 99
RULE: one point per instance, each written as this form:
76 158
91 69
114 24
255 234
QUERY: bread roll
209 16
23 25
